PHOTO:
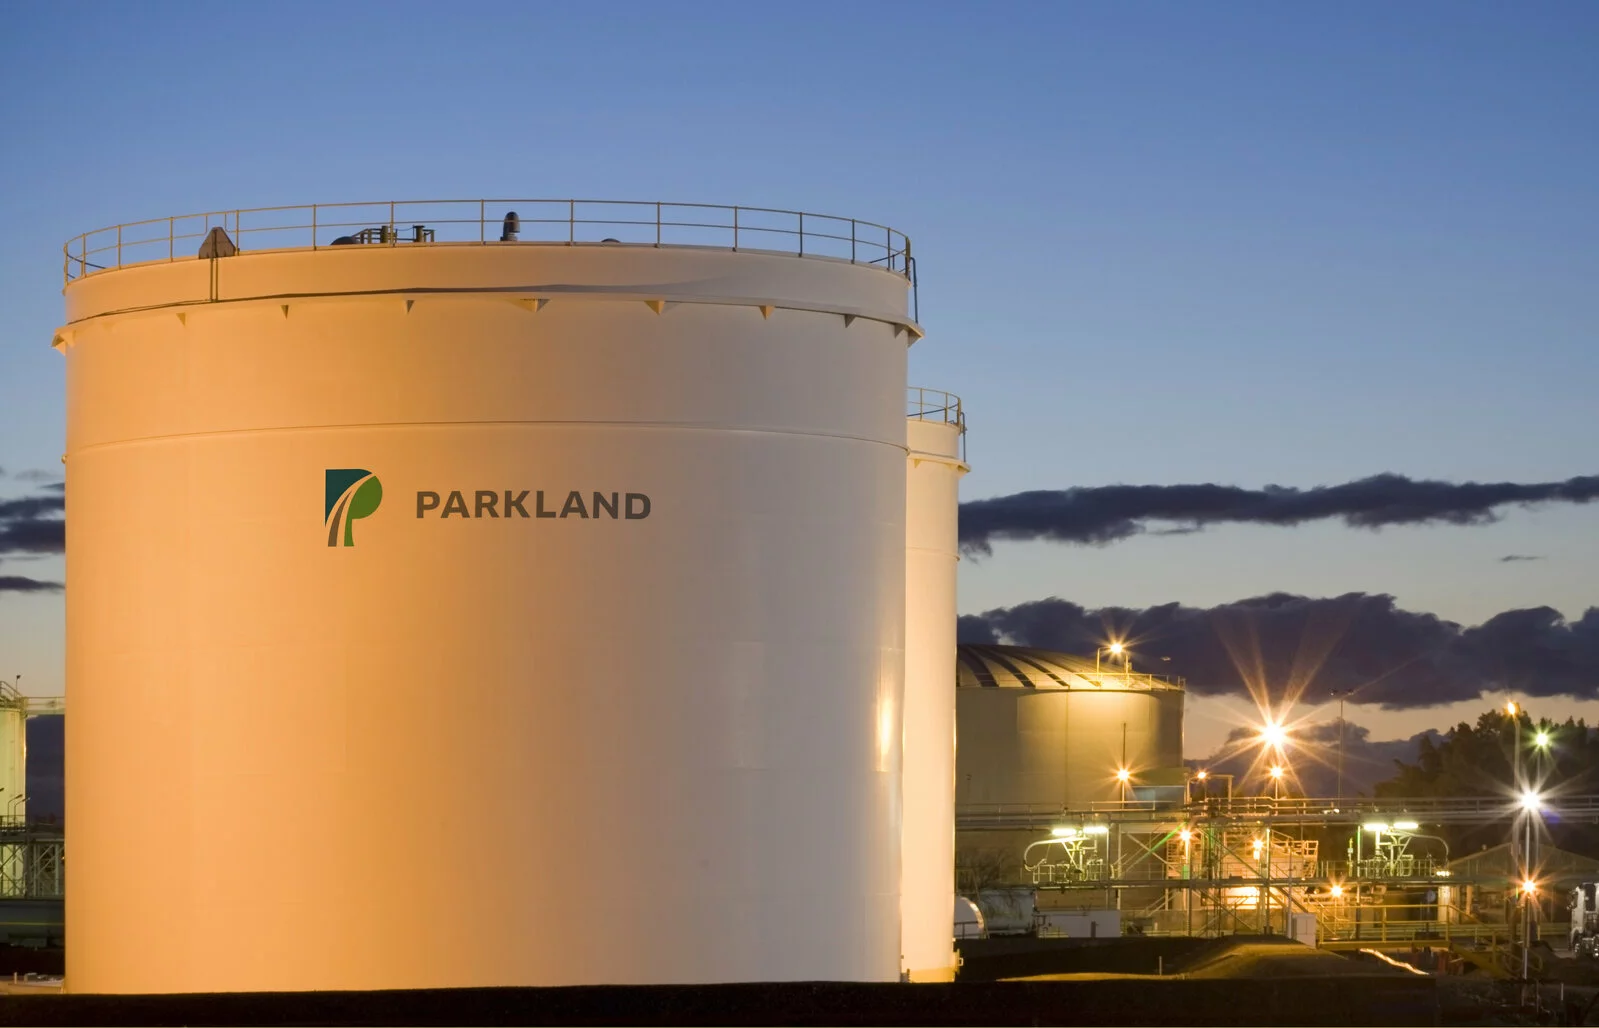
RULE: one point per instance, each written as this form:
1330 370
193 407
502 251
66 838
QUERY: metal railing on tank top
398 223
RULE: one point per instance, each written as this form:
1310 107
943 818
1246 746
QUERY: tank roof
1024 667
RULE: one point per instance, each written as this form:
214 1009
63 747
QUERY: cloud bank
33 524
21 584
1282 646
1099 515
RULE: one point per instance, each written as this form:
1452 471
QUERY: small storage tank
936 433
13 757
1047 729
459 599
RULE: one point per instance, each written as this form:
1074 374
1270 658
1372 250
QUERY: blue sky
1157 242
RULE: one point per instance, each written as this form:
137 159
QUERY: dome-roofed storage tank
1040 729
468 604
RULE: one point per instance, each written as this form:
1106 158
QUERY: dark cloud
1280 646
1512 558
33 524
1366 762
19 584
975 628
36 475
1104 514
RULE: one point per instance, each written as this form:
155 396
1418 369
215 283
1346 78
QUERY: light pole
1516 858
1531 803
1276 781
1115 650
1123 773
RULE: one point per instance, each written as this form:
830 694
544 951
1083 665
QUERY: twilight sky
1158 243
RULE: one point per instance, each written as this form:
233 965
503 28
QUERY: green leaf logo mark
350 494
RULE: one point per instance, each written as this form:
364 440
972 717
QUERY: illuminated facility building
1074 812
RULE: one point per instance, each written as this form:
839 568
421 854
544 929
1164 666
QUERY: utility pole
1342 694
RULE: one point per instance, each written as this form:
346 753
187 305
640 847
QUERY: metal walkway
1135 815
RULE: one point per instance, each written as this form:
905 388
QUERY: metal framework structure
1428 810
32 861
1217 866
31 706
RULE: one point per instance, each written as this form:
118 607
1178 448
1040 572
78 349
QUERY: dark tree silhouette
1479 760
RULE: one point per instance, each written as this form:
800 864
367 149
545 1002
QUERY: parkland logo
354 493
351 494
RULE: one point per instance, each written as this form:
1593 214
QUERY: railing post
852 240
392 236
313 226
171 238
571 222
802 233
657 223
482 230
119 246
735 229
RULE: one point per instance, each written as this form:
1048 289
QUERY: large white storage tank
445 611
936 437
1045 730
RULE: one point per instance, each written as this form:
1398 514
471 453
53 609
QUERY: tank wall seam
518 293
